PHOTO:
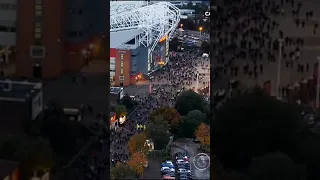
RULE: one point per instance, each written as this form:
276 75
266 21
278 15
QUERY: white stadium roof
118 38
153 21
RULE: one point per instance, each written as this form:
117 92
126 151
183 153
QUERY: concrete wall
139 60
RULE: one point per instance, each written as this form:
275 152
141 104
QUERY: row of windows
7 6
75 33
7 29
76 11
38 9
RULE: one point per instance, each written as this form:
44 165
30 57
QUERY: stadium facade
139 38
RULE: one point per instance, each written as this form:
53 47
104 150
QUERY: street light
181 25
279 69
318 83
200 29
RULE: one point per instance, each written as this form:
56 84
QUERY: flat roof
116 90
18 90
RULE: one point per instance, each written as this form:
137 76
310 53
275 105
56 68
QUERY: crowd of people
250 38
179 74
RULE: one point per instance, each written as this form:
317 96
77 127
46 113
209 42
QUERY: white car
164 168
169 163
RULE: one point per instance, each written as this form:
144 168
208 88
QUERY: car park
182 171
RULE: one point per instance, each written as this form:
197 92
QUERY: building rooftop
7 167
17 90
116 90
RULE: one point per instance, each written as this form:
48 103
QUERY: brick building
59 36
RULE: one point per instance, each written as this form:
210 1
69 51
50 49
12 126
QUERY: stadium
139 38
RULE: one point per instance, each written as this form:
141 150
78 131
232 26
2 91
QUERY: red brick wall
53 33
25 32
126 67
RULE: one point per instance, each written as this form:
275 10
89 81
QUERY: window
14 7
37 30
38 13
121 78
38 2
37 51
121 71
37 25
3 29
13 29
121 64
38 7
37 35
72 33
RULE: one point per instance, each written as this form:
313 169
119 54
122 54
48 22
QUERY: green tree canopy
122 171
276 166
128 102
169 114
253 124
158 131
63 134
120 110
188 101
188 126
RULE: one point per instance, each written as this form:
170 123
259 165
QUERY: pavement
153 170
309 51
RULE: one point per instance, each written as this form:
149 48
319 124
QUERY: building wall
35 28
25 17
63 50
125 57
139 60
53 29
8 18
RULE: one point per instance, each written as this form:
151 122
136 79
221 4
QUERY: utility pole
278 95
318 83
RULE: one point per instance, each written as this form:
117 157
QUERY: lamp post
181 26
278 95
318 84
200 30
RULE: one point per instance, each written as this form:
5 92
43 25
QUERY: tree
137 143
137 162
62 133
127 102
158 131
120 111
253 124
188 101
188 126
33 154
122 171
277 166
169 114
203 134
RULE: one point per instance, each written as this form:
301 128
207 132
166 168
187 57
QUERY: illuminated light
122 119
200 28
163 38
